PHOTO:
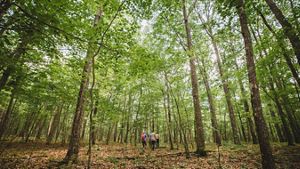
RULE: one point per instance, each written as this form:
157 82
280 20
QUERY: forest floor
39 155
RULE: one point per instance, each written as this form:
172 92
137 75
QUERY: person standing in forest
153 140
144 139
157 140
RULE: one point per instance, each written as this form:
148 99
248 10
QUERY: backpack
152 137
143 136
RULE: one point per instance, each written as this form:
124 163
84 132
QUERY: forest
150 84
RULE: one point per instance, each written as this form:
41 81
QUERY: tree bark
5 120
128 113
287 27
261 128
93 132
73 150
277 127
40 129
54 125
228 97
168 111
212 108
199 132
246 108
181 127
136 123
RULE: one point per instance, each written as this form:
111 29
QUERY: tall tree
208 29
199 132
211 101
261 128
73 150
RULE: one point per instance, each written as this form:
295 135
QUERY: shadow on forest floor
40 155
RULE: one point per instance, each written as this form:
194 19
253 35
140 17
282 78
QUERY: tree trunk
277 127
272 133
128 119
288 29
212 108
243 133
115 131
168 111
181 127
261 128
5 120
54 125
109 133
246 108
285 125
73 150
93 132
282 45
199 132
136 123
227 93
289 112
40 129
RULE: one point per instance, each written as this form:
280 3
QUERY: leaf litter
39 155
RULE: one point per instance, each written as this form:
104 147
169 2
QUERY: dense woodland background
198 72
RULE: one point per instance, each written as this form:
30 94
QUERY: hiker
144 139
153 140
157 140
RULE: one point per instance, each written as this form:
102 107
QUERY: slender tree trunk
62 125
168 111
212 108
54 125
261 128
277 127
242 126
289 112
181 127
25 132
199 132
5 120
115 131
136 124
288 29
225 126
285 125
41 128
228 97
73 150
128 118
109 133
246 108
93 131
84 128
273 138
